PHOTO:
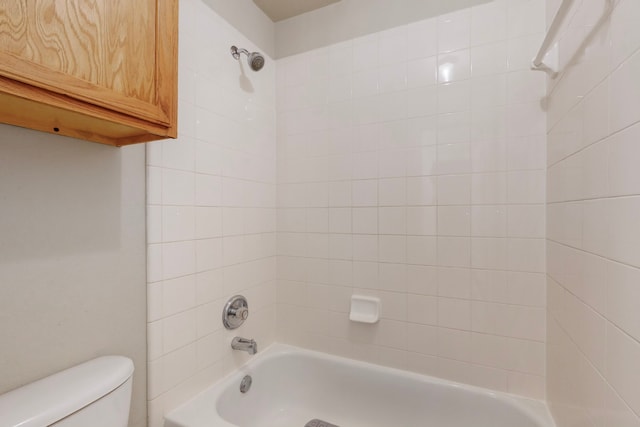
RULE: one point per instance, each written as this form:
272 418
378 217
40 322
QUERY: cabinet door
118 56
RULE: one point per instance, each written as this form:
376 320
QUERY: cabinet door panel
130 48
99 51
59 35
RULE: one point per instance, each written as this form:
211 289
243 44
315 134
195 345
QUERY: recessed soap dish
364 309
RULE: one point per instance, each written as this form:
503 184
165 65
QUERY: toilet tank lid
50 399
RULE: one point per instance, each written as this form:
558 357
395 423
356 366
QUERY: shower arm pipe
537 64
237 51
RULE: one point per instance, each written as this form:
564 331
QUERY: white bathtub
292 386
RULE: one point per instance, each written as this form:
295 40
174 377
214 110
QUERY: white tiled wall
593 233
211 213
411 166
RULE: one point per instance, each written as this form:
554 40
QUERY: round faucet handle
235 312
242 313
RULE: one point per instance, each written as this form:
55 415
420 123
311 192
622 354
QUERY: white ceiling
279 10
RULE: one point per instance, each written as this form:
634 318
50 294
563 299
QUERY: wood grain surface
110 43
101 70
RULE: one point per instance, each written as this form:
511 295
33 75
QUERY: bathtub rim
536 409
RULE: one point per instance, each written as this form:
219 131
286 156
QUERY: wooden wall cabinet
100 70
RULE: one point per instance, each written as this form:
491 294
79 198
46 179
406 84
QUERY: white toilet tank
96 393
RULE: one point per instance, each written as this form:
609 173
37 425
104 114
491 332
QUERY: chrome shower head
254 59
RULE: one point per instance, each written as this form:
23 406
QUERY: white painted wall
248 19
348 19
72 257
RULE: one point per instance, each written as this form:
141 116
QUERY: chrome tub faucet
244 344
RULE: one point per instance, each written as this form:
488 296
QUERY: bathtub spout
244 344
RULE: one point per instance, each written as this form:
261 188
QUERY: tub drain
245 384
319 423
